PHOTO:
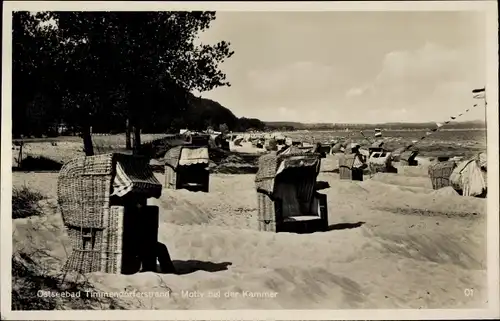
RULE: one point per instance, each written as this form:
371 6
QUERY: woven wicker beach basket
346 161
380 162
175 178
407 158
94 225
269 212
440 173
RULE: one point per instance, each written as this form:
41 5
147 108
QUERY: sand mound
397 179
295 271
381 233
412 171
43 238
386 188
446 191
225 162
190 208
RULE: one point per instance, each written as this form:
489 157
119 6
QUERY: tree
34 93
143 56
223 129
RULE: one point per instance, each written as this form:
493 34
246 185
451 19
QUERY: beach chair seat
287 196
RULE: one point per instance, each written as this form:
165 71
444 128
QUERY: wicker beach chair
396 154
186 168
376 147
200 140
469 178
346 162
224 145
286 193
196 139
440 173
443 158
324 148
381 162
103 205
407 158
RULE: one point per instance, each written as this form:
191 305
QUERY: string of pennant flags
479 93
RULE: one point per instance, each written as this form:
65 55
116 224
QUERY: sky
351 67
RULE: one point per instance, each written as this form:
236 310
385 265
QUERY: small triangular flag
475 105
446 122
439 125
434 129
460 115
467 110
414 141
453 117
423 137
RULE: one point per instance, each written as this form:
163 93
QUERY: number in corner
469 292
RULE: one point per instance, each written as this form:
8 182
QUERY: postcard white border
490 7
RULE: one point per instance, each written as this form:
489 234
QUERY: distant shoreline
77 138
357 130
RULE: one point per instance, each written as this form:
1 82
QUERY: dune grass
25 202
30 277
35 287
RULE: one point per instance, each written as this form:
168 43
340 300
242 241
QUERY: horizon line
360 123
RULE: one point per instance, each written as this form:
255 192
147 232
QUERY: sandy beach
393 242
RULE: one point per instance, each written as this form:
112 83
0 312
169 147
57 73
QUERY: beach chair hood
85 185
336 148
483 161
186 155
271 165
398 151
377 144
468 177
133 175
408 155
411 153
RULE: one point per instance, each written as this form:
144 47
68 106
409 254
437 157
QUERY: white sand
415 250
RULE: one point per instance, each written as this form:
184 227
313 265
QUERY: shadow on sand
190 266
40 163
344 226
178 267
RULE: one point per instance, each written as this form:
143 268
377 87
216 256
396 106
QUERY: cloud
284 69
282 110
301 80
432 79
430 64
358 91
354 92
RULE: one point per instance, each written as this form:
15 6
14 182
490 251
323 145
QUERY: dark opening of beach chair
186 167
286 194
